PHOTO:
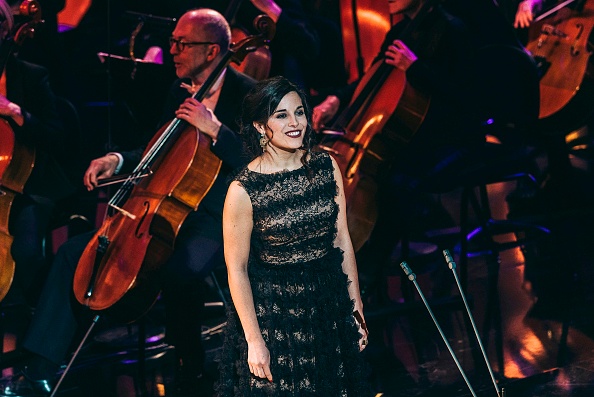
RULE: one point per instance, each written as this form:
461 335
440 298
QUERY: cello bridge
550 30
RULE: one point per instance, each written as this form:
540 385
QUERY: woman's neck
278 160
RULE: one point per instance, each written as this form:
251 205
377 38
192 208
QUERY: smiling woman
283 133
291 324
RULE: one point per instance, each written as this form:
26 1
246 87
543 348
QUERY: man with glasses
198 43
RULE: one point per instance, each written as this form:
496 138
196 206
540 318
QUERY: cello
383 102
16 159
257 63
562 44
119 269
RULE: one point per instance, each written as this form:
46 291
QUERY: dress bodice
294 212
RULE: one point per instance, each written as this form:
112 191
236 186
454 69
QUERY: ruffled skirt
305 316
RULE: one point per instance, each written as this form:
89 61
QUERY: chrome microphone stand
452 265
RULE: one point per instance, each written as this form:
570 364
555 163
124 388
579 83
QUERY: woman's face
287 125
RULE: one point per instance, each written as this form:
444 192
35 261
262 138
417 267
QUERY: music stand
141 87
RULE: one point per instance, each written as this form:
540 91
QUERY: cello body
561 45
126 277
364 25
16 164
385 109
16 159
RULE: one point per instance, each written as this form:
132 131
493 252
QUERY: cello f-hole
147 206
353 165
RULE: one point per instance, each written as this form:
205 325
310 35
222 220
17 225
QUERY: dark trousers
29 222
198 248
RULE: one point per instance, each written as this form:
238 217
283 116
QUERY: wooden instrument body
391 111
257 63
562 45
127 281
16 159
16 165
362 33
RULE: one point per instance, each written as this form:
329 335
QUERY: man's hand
102 167
11 110
400 56
524 15
200 117
324 112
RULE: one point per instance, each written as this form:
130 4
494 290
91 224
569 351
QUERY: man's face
190 59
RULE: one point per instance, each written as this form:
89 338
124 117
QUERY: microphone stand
452 265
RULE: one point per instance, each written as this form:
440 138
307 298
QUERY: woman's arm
343 241
237 231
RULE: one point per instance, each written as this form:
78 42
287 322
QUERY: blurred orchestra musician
445 71
28 103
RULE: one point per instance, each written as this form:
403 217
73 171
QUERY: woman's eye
300 112
281 115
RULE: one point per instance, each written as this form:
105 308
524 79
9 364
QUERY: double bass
16 159
561 42
119 269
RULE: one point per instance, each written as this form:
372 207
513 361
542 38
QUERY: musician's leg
54 323
28 222
198 250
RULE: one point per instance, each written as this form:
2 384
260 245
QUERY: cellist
439 58
27 102
198 42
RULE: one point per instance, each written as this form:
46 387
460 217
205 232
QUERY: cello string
146 162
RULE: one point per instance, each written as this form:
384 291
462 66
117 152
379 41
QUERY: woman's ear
259 127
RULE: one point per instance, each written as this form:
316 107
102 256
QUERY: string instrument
119 269
256 63
364 24
561 44
72 13
383 100
16 158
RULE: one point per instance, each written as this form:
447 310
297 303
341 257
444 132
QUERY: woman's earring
263 142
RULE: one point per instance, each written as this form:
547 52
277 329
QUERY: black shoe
20 385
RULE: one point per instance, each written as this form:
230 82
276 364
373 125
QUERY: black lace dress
300 291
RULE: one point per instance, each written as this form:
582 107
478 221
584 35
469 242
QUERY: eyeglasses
180 45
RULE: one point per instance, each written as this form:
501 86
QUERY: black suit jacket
228 148
27 85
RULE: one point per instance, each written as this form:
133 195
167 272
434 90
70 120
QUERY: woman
291 265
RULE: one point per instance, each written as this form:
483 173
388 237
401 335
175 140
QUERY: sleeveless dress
299 289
